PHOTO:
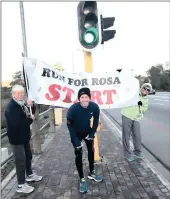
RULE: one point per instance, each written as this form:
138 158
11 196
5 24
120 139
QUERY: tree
146 80
154 74
161 68
167 66
159 76
165 82
5 92
17 79
141 79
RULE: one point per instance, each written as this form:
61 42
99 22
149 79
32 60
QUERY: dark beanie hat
85 91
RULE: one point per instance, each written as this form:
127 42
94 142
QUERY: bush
5 92
3 107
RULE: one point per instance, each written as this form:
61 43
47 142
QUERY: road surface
155 126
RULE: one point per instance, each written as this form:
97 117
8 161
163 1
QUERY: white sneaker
33 177
25 188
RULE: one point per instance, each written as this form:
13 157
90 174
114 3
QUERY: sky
141 40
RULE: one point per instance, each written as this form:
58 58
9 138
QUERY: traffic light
88 24
106 23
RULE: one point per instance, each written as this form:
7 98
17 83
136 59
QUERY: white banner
58 88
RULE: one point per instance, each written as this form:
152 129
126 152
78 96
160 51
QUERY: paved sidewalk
121 179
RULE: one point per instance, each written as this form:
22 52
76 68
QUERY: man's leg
136 136
79 165
126 132
90 148
78 161
28 155
19 155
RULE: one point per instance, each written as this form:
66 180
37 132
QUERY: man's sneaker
95 177
130 159
25 188
83 186
34 177
139 156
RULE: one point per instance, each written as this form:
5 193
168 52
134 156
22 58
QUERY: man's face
145 91
84 100
18 95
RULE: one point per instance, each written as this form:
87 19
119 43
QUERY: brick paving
122 180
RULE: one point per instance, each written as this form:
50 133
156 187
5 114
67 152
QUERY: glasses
146 89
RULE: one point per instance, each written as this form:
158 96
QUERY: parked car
152 92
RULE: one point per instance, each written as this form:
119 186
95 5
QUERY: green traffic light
90 36
87 13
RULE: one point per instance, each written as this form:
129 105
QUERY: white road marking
161 100
166 93
153 97
160 104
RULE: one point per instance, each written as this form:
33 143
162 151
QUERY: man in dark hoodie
79 118
18 120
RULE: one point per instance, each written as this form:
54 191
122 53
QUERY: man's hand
79 147
140 103
29 102
88 138
32 117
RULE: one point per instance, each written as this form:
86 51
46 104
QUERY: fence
36 129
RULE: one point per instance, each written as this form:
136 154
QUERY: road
155 126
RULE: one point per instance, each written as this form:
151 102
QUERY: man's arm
70 121
14 119
32 105
95 122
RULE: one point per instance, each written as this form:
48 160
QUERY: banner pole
88 67
35 126
25 54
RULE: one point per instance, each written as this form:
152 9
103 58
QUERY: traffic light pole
88 67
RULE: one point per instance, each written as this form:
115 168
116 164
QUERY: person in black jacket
78 123
18 120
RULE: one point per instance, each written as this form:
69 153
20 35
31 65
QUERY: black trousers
79 153
23 158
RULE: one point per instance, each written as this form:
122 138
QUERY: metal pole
88 67
23 29
25 54
52 120
35 127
